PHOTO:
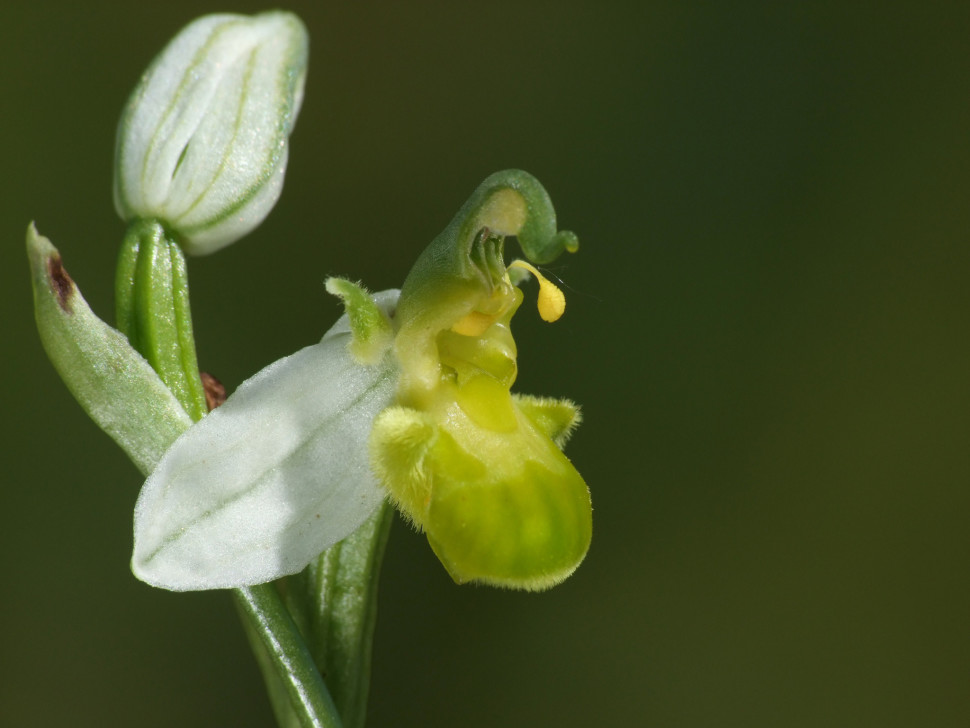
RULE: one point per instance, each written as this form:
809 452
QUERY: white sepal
203 141
270 479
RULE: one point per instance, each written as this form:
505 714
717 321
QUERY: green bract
110 380
203 141
406 396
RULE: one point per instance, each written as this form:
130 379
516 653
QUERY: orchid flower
406 397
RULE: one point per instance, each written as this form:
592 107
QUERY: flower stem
287 660
335 601
152 305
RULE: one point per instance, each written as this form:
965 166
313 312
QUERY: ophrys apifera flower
407 396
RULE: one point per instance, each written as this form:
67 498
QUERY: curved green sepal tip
110 380
513 202
469 250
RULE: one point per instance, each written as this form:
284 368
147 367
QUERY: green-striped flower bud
202 143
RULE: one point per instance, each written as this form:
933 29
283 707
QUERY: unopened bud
203 141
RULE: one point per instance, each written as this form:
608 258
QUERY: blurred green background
767 328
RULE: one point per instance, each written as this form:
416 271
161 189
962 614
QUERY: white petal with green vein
267 481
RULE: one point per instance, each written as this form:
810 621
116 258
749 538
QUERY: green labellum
499 501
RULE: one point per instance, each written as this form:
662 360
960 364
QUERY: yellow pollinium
552 301
475 323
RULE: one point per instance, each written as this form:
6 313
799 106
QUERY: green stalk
287 665
335 599
152 305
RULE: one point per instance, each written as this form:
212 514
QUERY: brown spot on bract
61 282
215 391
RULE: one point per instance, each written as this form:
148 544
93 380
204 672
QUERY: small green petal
110 380
369 325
